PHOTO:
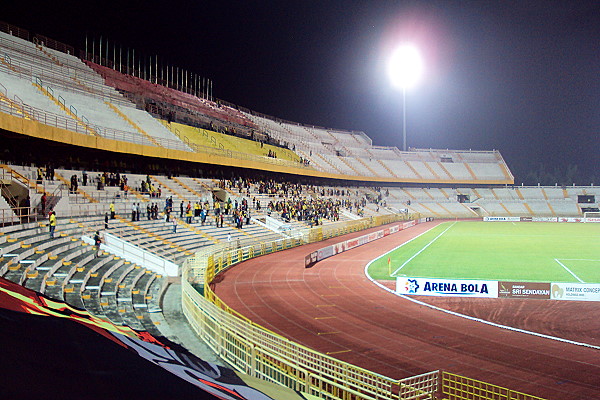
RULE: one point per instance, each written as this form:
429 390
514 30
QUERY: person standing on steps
52 222
97 243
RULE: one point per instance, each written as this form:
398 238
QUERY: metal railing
254 350
67 123
259 352
19 215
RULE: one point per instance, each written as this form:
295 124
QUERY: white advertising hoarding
446 287
575 291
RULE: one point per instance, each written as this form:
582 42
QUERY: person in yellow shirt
52 220
112 210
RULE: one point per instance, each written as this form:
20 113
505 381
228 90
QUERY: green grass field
504 251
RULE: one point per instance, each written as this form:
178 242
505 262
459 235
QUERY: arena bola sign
446 287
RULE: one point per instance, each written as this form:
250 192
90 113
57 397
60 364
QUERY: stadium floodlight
404 69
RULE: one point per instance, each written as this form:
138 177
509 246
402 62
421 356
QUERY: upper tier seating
206 138
70 90
64 80
148 90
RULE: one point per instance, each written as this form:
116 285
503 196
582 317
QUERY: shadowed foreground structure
333 308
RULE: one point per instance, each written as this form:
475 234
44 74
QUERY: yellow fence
261 353
456 387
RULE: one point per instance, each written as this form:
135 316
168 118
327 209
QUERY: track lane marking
337 352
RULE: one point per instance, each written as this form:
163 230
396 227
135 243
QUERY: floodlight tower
404 69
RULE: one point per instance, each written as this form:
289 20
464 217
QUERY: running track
335 309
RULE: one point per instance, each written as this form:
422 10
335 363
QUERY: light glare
405 66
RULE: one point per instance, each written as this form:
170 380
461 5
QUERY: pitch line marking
420 251
568 270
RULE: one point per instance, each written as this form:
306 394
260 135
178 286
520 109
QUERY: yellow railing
456 387
261 353
254 350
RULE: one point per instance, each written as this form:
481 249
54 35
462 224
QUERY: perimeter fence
261 353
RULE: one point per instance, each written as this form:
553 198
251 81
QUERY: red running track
335 309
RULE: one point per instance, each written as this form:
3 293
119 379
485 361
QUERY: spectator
52 223
40 176
43 203
98 242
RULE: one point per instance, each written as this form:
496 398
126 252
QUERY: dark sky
519 76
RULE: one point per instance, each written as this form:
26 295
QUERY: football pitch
503 251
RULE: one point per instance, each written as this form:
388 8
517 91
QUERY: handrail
259 352
63 122
98 89
18 215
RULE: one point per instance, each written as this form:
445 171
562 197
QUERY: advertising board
570 219
325 252
524 290
502 219
310 259
446 287
575 291
544 219
408 224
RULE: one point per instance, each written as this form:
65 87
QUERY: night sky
522 77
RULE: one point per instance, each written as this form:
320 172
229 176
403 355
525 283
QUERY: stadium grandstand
153 186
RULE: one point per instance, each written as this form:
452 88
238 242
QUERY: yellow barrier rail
456 387
261 353
254 350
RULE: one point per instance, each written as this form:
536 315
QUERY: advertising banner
408 224
592 219
524 290
321 254
310 259
526 219
340 247
325 252
569 219
544 219
575 291
362 240
352 243
502 219
446 287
